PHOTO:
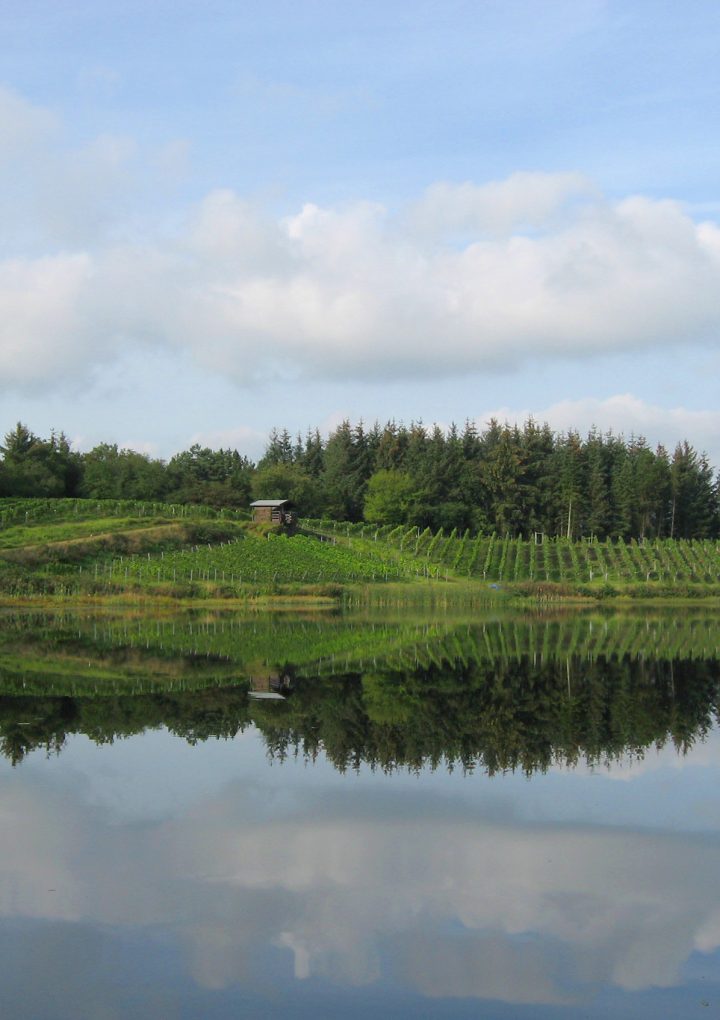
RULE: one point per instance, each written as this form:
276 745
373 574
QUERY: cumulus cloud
63 315
358 292
522 201
468 278
626 413
42 331
353 292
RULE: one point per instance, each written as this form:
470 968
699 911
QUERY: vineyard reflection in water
495 694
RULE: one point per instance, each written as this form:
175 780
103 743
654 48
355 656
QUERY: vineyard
70 547
271 560
505 560
36 511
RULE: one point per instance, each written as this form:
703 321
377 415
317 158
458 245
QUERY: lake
387 813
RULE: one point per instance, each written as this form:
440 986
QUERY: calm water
387 816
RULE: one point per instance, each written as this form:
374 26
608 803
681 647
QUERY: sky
219 217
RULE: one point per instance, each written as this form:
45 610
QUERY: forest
510 480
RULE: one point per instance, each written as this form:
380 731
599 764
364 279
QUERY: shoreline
430 593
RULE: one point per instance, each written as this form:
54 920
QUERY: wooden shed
277 511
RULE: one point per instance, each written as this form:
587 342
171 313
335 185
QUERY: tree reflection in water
499 695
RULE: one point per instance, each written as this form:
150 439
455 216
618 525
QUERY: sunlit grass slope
75 547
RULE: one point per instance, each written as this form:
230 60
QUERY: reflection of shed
277 511
268 688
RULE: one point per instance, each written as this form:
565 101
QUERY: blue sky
219 217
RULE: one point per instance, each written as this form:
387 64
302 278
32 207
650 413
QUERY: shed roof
271 502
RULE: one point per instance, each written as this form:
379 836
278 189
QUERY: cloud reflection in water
444 899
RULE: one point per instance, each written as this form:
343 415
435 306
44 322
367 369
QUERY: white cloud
147 447
626 413
704 754
94 182
352 293
242 437
466 279
23 126
42 334
55 194
522 201
233 237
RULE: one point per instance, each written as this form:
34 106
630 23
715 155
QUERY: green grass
32 535
35 511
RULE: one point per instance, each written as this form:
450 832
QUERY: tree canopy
513 480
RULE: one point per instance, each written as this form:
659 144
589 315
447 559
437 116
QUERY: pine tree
343 479
18 444
597 503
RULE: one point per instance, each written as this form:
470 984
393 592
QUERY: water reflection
323 859
499 695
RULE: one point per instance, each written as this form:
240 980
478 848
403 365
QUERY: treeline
35 467
507 479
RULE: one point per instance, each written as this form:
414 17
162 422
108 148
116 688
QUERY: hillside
103 548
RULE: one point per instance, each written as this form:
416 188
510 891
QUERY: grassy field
75 548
